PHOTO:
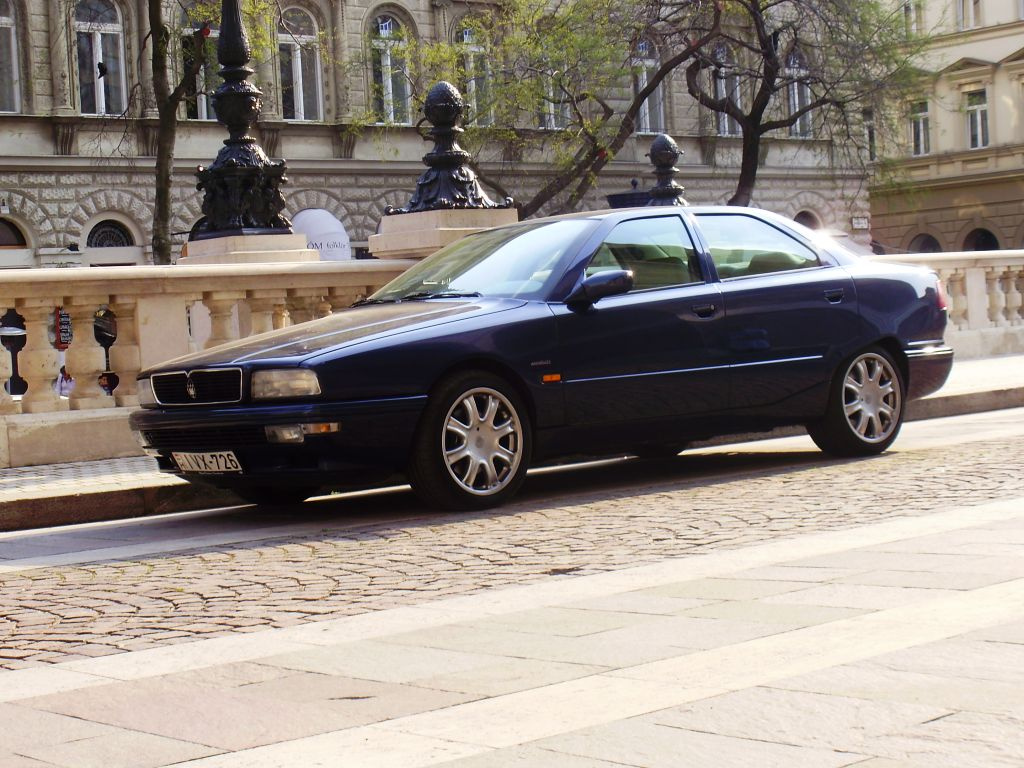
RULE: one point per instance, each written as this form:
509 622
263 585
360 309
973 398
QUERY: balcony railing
160 313
985 290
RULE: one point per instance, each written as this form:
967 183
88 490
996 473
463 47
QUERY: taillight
940 294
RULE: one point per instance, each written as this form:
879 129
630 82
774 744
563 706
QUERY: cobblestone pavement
56 614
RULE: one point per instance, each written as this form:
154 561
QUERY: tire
865 407
472 447
266 496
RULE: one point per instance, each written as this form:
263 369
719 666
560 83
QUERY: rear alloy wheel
865 409
472 449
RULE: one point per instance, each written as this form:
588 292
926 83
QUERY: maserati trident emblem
190 386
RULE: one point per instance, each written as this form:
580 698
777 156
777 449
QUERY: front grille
207 386
204 439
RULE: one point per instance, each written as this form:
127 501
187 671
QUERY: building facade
78 128
960 181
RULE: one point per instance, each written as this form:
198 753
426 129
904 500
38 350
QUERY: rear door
655 353
791 314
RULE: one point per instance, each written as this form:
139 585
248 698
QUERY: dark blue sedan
593 334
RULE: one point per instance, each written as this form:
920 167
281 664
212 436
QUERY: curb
165 498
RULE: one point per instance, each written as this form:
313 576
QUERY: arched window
10 77
391 92
300 65
925 243
477 93
645 63
808 219
725 81
11 236
99 36
199 55
799 93
981 240
109 234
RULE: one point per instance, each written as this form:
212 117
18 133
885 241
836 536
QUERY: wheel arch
892 345
497 368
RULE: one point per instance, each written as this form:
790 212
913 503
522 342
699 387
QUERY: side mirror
612 282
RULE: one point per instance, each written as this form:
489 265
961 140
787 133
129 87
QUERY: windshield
520 261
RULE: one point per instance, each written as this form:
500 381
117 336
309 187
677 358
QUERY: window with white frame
391 91
920 141
644 64
298 48
968 14
10 81
199 54
870 142
553 114
913 17
799 94
477 94
99 37
725 83
977 119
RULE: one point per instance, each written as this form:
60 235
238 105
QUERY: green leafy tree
557 81
806 68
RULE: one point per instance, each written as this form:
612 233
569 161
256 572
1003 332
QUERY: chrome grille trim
215 386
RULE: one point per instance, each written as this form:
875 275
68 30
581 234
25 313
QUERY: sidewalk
59 494
896 644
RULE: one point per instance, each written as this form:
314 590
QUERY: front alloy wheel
482 441
473 444
865 410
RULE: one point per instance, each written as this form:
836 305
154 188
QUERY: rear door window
743 246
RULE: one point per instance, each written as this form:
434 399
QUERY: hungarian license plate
213 462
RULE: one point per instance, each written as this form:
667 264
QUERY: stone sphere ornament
448 182
664 154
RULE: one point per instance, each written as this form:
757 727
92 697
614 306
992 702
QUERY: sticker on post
215 462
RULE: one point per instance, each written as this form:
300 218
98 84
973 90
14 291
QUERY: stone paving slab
59 494
930 680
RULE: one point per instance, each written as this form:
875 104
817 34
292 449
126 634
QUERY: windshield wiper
363 302
442 295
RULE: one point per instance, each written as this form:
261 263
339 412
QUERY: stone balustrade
985 291
161 313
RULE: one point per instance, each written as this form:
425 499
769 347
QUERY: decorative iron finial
448 182
241 187
664 154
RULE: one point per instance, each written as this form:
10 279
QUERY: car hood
344 328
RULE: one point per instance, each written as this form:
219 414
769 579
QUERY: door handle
834 295
703 310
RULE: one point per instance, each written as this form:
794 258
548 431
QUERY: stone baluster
261 311
282 318
323 307
1014 299
996 297
7 403
125 354
85 357
345 297
302 308
956 289
223 323
38 361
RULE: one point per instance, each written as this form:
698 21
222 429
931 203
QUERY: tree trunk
166 134
167 109
748 166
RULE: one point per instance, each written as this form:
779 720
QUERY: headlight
144 390
288 382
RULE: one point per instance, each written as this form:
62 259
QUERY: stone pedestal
247 249
419 234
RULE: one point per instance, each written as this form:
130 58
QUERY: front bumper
373 441
929 367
